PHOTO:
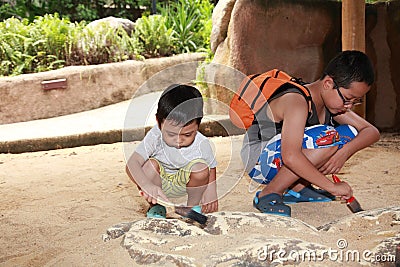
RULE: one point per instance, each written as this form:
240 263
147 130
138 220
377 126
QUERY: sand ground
55 205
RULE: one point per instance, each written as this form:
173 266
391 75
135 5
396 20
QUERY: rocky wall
300 37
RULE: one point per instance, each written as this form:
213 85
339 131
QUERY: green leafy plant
189 19
102 44
52 41
51 36
206 9
74 10
155 37
15 46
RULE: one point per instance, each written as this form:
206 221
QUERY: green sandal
157 211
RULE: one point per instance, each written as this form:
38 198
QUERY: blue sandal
157 211
197 209
307 194
271 204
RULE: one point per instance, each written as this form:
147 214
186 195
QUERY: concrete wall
22 98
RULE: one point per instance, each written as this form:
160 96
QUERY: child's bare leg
198 182
285 177
152 171
318 157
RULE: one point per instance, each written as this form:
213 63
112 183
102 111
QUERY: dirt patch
57 204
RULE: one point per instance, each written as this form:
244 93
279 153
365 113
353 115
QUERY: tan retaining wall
24 97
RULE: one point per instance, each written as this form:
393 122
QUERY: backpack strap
256 90
259 92
247 85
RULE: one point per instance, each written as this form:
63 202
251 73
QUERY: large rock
290 35
255 239
393 39
220 20
300 37
114 23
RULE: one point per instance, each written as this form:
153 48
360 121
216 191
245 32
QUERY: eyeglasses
347 102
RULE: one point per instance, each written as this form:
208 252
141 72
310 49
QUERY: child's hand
210 207
210 199
335 163
152 192
342 189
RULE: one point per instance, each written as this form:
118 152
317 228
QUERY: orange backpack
254 92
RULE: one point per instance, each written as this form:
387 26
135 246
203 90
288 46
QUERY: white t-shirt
171 158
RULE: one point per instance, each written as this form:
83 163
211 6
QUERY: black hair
350 66
180 103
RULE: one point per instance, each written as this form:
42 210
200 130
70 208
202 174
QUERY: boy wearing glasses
305 146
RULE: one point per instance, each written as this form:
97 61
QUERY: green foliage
51 35
33 47
205 35
127 8
204 32
6 11
191 21
102 44
84 13
52 41
74 10
156 38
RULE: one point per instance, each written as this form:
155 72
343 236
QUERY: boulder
255 239
300 37
255 36
289 35
114 22
220 21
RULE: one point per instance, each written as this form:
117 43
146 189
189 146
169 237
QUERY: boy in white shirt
174 159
